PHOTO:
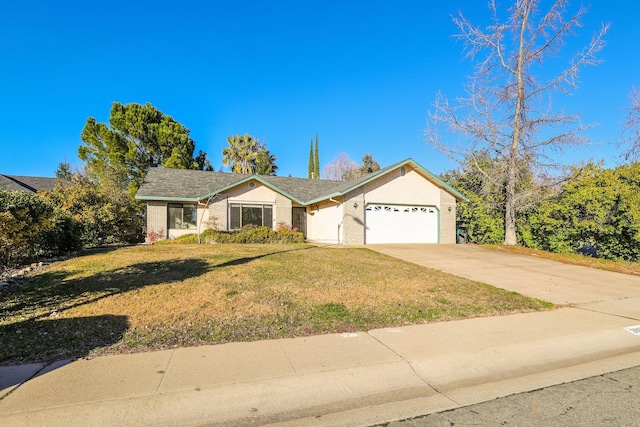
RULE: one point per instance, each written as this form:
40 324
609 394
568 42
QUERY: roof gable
348 186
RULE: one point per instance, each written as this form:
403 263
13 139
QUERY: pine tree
316 161
311 167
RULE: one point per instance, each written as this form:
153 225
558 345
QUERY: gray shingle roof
174 184
195 185
183 184
26 183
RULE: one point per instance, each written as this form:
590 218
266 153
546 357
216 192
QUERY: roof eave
168 199
320 199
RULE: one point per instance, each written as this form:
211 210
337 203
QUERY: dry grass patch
632 268
153 297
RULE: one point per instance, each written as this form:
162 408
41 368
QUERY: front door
299 220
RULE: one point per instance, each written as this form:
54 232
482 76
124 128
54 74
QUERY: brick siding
156 221
447 218
353 222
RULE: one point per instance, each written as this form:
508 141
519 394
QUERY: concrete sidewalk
341 379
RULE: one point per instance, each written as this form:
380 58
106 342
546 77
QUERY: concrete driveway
539 278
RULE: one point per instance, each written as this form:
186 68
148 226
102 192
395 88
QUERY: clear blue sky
363 75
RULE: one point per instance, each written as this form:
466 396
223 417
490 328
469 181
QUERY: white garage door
401 224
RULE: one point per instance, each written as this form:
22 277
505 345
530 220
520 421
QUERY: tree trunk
512 161
510 210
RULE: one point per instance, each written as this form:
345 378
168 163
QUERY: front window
241 215
182 217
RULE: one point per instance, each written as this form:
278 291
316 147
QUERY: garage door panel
401 224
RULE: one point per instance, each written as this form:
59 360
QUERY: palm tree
241 153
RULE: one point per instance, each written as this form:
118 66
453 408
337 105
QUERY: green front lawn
163 296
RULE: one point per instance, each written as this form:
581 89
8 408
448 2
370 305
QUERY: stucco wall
412 188
245 193
325 223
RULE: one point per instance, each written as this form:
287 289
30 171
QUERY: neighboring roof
26 183
195 185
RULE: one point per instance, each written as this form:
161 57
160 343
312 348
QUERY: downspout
331 199
207 203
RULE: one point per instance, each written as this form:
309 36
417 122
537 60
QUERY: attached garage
401 224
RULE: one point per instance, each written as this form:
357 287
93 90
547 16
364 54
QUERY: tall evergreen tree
312 167
137 137
316 161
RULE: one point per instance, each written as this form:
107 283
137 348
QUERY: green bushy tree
30 227
138 137
600 207
104 213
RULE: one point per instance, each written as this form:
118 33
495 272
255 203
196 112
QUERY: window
182 217
241 215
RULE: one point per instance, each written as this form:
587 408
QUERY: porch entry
299 220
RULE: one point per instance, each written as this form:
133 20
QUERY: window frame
190 224
237 216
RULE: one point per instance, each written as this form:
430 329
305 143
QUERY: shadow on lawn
46 340
56 292
45 337
246 260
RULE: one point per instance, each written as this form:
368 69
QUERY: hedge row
246 235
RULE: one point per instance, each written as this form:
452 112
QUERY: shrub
105 214
154 236
283 226
30 227
64 235
599 207
248 234
252 235
186 239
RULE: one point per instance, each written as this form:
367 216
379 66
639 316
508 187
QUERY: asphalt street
606 400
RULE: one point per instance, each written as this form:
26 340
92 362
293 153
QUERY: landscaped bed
162 296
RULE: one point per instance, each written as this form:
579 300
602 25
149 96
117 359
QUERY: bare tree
507 111
341 168
631 132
